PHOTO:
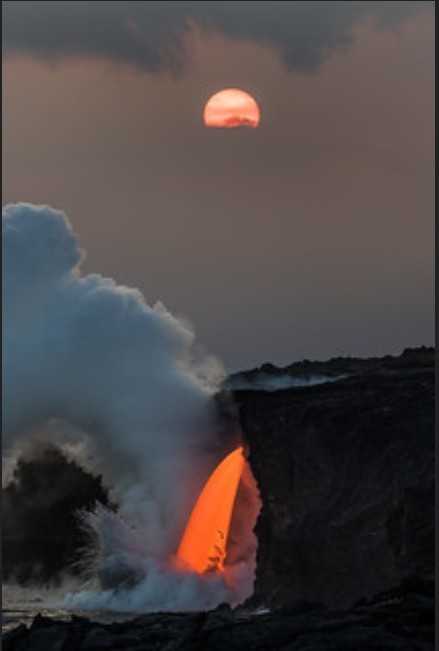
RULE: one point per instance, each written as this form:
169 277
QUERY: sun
230 108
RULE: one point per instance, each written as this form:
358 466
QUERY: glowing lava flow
203 545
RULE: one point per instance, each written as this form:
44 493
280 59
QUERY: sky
311 236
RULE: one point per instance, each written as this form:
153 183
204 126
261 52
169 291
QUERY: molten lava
203 545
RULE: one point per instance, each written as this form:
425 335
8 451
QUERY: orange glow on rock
231 108
203 544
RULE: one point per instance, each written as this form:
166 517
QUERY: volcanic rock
402 618
345 470
41 534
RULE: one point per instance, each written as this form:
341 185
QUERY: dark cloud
151 35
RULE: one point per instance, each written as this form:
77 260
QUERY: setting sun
231 108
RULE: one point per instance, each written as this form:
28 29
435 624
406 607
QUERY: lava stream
203 544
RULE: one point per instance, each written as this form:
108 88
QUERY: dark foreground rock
345 472
402 619
47 489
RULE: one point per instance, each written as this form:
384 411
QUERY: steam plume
87 351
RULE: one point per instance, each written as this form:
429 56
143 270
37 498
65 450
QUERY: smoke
126 376
159 587
73 443
265 382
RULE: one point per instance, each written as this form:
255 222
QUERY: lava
204 541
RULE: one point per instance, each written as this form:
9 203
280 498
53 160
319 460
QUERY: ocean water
21 605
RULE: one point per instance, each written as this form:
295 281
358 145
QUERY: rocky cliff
345 470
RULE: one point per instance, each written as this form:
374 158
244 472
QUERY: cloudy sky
309 237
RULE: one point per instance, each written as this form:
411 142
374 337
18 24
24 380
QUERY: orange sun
231 108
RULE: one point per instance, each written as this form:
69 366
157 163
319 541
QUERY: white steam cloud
266 382
94 354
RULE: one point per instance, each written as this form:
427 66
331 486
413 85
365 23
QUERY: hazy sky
311 236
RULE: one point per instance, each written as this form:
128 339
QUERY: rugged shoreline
402 618
345 470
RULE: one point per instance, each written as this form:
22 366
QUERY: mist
128 383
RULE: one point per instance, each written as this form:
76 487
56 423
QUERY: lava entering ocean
204 541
